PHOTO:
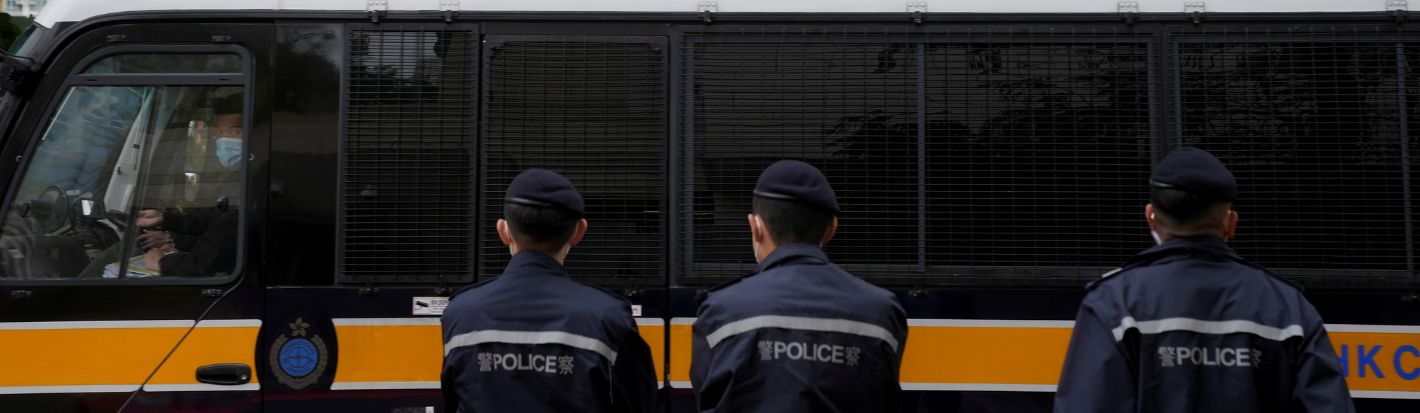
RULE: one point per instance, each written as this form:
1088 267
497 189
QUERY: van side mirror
18 74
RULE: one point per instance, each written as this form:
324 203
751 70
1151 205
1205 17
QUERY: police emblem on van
299 357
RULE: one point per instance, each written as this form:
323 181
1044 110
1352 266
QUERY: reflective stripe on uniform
832 325
1206 327
530 337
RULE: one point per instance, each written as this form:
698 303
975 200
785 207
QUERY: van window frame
77 77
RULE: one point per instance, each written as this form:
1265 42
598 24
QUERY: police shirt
802 335
1189 326
534 340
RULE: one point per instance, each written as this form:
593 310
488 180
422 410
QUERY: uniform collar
1205 243
527 262
786 253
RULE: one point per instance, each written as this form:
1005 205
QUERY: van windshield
132 180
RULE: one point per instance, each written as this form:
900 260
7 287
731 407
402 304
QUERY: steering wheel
50 210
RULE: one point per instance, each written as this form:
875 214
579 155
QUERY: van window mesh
1023 153
407 195
594 110
1036 147
1311 125
960 155
954 154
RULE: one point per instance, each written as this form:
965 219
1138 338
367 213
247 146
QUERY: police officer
533 339
1189 326
801 335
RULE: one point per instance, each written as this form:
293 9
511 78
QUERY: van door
123 285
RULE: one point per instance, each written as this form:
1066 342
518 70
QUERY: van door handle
229 374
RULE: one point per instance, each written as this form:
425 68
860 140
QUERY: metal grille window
949 152
1036 149
407 195
1311 123
594 110
962 154
833 104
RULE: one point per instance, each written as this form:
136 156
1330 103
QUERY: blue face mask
229 151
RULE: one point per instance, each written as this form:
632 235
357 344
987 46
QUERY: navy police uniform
534 340
1189 326
801 335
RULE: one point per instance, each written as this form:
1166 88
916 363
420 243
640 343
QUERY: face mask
229 151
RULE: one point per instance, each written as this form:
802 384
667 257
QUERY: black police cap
1197 172
798 182
544 188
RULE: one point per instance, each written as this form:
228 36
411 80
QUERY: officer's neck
1165 235
559 255
763 248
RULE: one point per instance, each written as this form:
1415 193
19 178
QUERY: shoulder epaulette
1106 277
703 294
1250 264
729 283
1134 262
1153 256
469 287
605 290
625 303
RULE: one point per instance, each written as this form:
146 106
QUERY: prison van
263 206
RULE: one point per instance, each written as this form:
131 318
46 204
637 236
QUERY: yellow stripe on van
1017 355
389 350
941 355
85 353
219 342
984 355
1380 361
655 336
680 349
378 353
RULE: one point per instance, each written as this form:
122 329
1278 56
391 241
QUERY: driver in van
201 241
191 243
195 241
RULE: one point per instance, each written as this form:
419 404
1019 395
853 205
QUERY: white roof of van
77 10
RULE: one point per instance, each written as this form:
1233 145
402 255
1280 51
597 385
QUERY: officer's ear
1149 216
503 233
1231 227
828 234
577 235
756 231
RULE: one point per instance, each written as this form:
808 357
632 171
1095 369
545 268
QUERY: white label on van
430 305
635 310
